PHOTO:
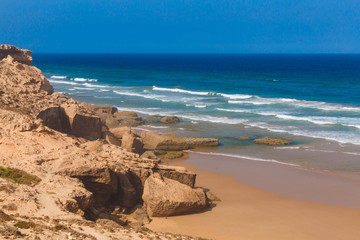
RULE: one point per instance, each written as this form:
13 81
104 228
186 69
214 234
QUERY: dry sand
248 212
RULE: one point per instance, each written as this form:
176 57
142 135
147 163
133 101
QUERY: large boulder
169 141
82 123
162 141
132 143
170 119
166 197
272 141
20 55
193 142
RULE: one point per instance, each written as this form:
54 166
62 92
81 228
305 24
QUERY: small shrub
4 216
19 176
24 225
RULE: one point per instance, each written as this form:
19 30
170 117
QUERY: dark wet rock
170 119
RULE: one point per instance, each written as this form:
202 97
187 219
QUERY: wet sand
268 201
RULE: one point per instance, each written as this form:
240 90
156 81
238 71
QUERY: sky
181 26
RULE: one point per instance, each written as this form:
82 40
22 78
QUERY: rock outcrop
66 145
169 141
20 55
272 141
165 197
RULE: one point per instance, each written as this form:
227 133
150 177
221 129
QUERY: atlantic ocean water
314 100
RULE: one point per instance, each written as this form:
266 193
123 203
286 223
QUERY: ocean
313 100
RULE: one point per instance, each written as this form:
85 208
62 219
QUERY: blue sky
182 26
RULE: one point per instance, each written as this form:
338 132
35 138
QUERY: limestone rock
169 142
132 143
82 123
128 119
120 131
166 197
170 119
272 141
20 55
99 110
193 142
125 114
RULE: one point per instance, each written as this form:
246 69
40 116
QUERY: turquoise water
314 96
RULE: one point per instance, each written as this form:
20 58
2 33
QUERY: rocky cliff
83 178
20 55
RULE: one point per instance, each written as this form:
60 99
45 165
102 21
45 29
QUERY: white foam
134 94
84 88
83 79
94 85
153 126
243 157
146 111
236 96
207 118
63 82
297 103
179 91
58 77
341 137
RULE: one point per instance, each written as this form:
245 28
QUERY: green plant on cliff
19 176
24 225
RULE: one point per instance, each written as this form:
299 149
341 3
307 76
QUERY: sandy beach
268 201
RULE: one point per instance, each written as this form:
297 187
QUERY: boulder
169 141
272 141
20 55
110 121
125 114
193 142
162 141
174 154
153 118
120 131
132 143
177 173
100 110
82 123
128 119
111 139
170 119
166 197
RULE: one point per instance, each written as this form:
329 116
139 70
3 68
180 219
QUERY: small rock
272 141
174 154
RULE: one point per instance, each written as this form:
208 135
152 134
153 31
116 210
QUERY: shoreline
255 212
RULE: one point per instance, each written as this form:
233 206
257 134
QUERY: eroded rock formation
20 55
84 172
169 141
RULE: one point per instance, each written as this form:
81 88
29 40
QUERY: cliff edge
20 55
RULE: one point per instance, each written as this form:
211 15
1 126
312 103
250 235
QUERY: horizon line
197 53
